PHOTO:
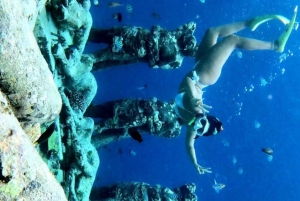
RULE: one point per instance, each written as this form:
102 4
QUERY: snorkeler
210 58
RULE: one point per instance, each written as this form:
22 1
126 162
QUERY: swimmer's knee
211 31
232 40
231 37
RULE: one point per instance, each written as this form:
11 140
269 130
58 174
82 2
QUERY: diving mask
206 125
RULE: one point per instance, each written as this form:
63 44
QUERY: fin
44 137
135 134
262 19
281 41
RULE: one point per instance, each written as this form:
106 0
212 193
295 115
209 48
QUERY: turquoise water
254 114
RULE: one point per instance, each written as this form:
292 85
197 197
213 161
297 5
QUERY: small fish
268 151
156 15
129 8
218 187
114 4
45 136
143 87
120 151
118 16
135 134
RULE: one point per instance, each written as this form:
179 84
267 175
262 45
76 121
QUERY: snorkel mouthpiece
198 125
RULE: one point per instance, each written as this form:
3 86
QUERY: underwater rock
62 30
25 77
159 47
142 191
80 159
23 174
151 116
74 19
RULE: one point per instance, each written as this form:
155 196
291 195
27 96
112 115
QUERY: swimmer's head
206 125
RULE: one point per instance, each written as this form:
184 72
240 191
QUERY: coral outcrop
34 99
28 96
62 31
23 174
151 116
159 47
46 78
143 191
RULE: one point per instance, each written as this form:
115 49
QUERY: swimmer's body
210 58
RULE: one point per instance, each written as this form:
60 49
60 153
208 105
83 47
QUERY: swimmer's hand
198 104
202 170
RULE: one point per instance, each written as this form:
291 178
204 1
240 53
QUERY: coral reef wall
23 174
62 29
28 98
35 99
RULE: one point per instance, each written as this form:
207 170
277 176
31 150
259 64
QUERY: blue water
275 106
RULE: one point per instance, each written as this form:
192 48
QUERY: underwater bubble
234 160
263 82
296 25
256 124
132 153
96 2
129 8
282 57
239 54
225 143
270 158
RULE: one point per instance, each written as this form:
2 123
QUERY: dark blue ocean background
275 106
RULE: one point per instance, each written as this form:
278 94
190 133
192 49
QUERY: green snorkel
192 121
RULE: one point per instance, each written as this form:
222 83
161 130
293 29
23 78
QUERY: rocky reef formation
151 116
159 47
62 30
34 99
143 191
28 95
46 78
23 173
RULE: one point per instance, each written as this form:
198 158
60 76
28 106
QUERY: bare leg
209 69
211 35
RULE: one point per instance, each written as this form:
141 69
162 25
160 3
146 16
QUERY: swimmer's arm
190 140
195 96
191 89
189 143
